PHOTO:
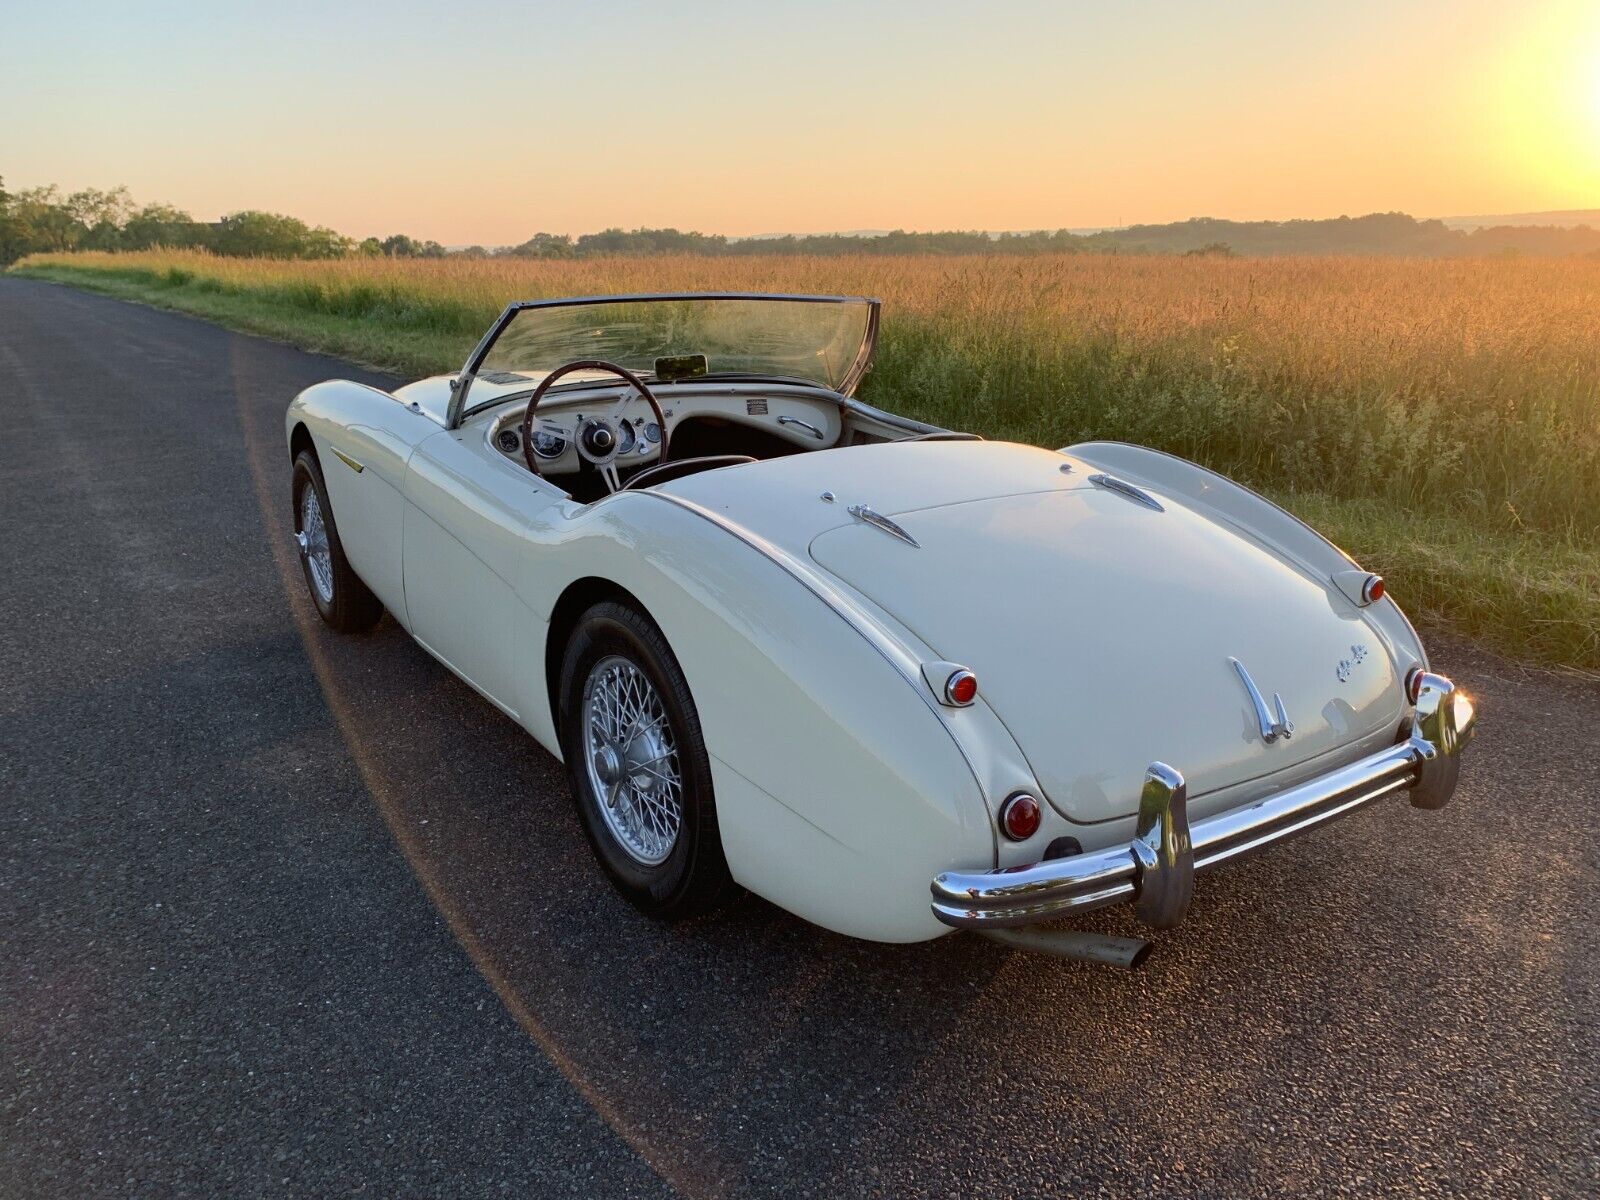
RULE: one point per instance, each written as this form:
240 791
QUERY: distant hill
1391 233
1567 218
1397 234
1574 231
849 233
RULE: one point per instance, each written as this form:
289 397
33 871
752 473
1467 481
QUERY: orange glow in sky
1594 93
483 121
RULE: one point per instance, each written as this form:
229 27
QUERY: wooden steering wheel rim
587 364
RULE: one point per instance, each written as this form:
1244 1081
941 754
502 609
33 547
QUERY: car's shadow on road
683 1034
697 1041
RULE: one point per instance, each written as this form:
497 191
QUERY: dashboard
804 420
551 438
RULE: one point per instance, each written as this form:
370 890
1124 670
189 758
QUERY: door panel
466 523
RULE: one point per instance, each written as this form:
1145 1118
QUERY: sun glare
1594 92
1545 109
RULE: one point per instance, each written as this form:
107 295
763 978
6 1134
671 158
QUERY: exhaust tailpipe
1129 953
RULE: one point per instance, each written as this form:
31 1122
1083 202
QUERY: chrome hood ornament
1270 728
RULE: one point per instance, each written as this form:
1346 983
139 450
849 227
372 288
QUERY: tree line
1378 233
44 219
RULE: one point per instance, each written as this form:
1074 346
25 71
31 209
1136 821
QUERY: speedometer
625 438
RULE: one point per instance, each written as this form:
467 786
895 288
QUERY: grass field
1439 419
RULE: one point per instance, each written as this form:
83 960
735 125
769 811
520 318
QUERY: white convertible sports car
785 641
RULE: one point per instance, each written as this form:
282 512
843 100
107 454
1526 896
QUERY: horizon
917 121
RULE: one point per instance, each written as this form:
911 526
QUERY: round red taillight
1414 683
961 688
1372 591
1019 816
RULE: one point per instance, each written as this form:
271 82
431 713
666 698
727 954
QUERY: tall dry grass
1451 386
1440 419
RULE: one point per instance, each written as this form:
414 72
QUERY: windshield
823 339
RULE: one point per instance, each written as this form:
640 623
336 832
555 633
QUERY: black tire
693 878
350 607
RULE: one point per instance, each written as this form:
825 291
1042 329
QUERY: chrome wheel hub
312 539
633 760
608 766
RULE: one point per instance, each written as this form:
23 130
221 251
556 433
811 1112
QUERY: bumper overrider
1156 869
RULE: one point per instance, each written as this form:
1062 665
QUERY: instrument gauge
626 438
652 432
507 441
548 444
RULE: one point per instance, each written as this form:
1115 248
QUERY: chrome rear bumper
1156 869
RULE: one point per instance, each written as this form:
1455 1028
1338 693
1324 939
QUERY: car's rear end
1177 688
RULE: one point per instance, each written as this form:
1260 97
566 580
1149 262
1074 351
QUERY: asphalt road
286 913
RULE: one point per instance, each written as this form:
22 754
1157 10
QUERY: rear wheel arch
578 598
930 805
602 623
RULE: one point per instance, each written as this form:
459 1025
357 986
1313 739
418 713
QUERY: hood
1101 632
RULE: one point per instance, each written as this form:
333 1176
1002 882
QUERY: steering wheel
598 439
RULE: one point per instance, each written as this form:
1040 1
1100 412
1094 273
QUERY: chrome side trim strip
347 460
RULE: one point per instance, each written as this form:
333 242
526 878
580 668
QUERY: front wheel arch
350 606
300 440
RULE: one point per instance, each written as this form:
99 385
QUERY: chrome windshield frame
462 383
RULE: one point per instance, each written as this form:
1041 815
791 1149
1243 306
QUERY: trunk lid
1101 632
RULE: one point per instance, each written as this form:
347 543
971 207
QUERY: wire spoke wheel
313 541
632 759
638 766
340 597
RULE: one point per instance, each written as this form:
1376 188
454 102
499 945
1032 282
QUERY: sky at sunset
484 122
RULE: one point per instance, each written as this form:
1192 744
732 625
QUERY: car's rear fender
838 784
1279 531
